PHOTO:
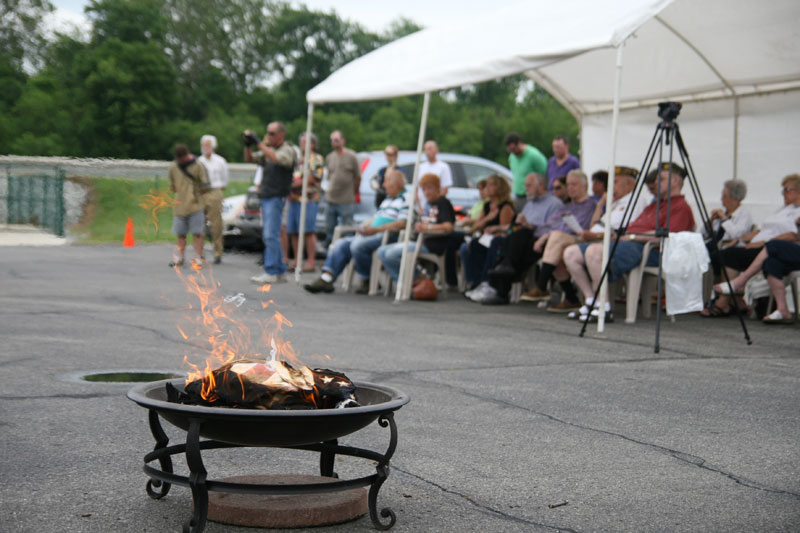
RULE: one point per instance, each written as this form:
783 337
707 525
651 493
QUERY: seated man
628 253
391 216
517 252
438 215
624 183
560 235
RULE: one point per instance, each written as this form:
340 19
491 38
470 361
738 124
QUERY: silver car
467 171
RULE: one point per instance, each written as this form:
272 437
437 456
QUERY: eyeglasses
787 189
390 153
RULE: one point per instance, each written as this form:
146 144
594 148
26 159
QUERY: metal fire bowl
257 427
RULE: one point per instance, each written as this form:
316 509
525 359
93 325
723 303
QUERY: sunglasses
557 188
272 132
787 189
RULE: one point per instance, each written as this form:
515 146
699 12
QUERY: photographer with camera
277 160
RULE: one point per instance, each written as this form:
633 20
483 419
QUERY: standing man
433 166
217 172
344 178
277 159
187 179
561 162
523 159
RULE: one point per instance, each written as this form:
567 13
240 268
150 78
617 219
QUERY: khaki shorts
194 224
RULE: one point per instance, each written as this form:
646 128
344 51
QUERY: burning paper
254 384
237 372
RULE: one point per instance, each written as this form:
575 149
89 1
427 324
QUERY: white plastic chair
641 284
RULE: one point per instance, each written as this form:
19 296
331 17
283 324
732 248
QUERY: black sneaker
363 287
319 285
502 270
495 300
217 259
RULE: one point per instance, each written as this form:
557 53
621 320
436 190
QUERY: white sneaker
268 278
476 290
483 292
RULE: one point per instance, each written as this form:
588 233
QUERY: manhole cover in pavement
128 377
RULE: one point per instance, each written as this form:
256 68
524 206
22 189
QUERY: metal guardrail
32 196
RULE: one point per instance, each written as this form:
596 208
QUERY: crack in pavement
377 376
684 457
86 396
483 507
18 360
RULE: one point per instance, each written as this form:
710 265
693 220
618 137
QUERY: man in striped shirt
391 216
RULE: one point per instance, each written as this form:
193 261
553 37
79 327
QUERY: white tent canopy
734 63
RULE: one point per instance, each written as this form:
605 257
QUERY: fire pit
311 430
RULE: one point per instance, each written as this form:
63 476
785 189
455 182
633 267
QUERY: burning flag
237 373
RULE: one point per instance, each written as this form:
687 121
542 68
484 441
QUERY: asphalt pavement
510 410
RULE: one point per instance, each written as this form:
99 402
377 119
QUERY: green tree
21 36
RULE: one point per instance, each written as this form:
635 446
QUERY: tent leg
301 237
601 305
404 279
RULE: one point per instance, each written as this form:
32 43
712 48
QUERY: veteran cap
626 171
675 168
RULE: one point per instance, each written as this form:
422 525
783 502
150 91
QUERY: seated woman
776 259
438 216
498 213
778 226
730 223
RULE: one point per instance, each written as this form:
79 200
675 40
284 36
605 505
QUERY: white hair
211 138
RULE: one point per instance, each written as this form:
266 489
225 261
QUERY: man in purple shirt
561 234
561 162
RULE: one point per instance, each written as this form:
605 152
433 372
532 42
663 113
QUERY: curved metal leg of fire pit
386 419
326 459
197 480
156 488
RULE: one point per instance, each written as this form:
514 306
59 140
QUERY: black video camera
250 139
669 111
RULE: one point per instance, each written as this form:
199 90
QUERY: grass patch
113 200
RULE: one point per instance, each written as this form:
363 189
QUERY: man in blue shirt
518 254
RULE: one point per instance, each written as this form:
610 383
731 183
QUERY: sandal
776 317
715 312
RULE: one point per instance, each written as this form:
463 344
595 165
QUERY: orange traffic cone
128 241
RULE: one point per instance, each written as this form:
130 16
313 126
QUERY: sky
374 15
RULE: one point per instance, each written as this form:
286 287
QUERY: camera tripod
667 134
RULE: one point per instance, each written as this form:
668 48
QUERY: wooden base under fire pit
286 510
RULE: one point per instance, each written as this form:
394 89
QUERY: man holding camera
277 160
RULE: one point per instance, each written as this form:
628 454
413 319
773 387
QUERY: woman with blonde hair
479 255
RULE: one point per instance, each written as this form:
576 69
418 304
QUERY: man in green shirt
522 160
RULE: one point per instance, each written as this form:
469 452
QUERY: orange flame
213 323
157 200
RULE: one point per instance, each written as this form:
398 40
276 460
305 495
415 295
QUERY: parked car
467 171
241 214
241 220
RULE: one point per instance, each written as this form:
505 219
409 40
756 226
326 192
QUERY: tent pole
301 237
601 305
405 277
736 136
